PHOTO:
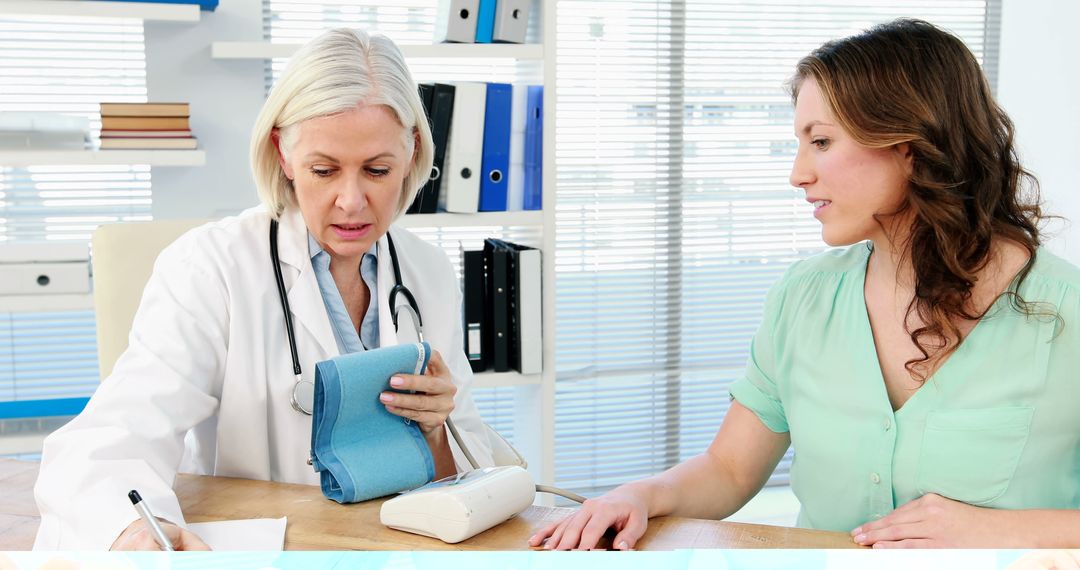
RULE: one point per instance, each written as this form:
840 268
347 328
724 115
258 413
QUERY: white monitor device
463 505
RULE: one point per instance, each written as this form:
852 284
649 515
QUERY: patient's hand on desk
933 521
621 509
138 537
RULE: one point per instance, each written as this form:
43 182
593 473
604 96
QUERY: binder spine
515 180
464 149
427 97
498 305
473 296
511 21
495 160
485 21
513 309
455 21
534 149
529 329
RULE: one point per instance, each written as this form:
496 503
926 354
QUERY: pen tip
134 496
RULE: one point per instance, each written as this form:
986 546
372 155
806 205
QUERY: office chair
122 258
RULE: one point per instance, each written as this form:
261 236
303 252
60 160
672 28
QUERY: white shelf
500 379
267 50
151 157
85 9
46 303
445 219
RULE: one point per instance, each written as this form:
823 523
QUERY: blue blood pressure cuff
360 450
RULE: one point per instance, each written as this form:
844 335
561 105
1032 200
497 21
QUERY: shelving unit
73 157
148 11
447 220
533 395
145 11
268 50
544 396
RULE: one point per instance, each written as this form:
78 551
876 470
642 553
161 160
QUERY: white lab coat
208 358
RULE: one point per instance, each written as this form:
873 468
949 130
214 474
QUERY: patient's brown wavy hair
908 81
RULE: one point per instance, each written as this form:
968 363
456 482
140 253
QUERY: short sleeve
757 389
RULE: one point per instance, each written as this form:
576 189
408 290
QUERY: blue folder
495 160
485 21
360 450
534 148
203 4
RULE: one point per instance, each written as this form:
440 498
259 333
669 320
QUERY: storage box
44 269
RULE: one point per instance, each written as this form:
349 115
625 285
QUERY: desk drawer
44 278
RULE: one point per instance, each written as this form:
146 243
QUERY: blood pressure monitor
463 505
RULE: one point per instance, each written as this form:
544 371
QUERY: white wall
225 97
1039 87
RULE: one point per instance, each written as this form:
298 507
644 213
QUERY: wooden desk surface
316 523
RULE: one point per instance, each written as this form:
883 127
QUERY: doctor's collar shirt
996 426
347 338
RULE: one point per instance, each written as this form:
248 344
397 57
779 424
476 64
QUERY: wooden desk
316 523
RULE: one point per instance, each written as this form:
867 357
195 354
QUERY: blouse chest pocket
971 455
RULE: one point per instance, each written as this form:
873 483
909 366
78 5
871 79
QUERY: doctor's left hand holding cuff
429 407
434 398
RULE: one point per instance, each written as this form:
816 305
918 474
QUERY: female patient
927 374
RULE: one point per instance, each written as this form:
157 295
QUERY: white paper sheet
249 534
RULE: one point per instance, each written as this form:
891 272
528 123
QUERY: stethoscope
303 393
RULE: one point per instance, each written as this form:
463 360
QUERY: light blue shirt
347 338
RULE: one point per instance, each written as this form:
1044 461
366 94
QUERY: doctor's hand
138 537
932 521
434 398
622 509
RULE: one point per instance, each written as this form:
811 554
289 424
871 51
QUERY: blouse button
887 424
875 478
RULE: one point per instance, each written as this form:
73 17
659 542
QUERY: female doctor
207 384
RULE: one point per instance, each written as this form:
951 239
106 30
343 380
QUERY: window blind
62 65
69 65
674 214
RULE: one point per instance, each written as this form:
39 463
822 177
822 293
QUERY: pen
151 522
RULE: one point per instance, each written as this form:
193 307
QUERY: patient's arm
712 485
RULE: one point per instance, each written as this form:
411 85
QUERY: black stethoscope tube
397 289
284 297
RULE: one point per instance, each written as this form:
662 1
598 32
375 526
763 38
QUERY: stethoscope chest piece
303 396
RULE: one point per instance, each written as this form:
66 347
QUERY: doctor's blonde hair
337 71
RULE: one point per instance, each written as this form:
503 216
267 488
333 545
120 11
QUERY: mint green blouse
998 425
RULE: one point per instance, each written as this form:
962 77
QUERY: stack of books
146 126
